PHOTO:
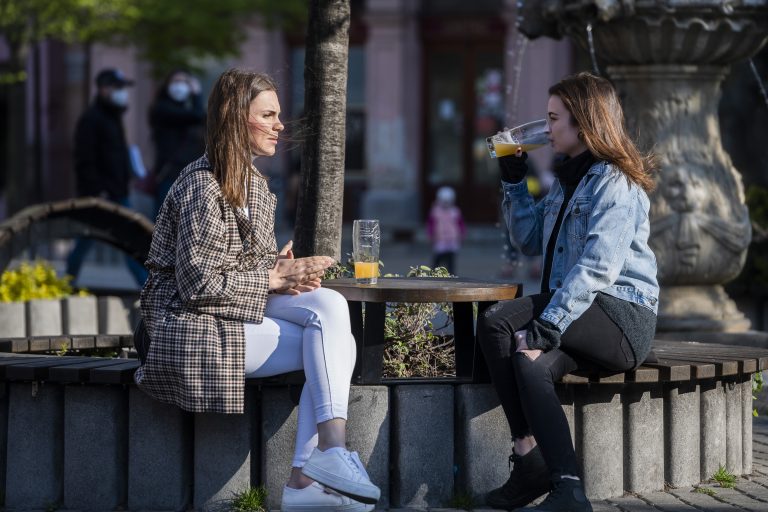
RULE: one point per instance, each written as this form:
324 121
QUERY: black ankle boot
528 479
567 496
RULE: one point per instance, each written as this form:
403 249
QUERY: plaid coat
208 273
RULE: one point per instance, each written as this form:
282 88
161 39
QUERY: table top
423 289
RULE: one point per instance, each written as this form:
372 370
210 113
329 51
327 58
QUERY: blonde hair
595 109
227 137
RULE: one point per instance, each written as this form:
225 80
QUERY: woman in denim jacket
598 301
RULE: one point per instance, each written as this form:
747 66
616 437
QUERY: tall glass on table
528 136
366 241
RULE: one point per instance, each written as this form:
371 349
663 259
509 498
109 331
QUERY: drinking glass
366 240
528 136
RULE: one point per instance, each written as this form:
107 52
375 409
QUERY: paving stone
630 503
604 506
753 489
741 500
667 502
702 501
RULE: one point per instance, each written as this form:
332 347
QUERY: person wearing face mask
102 159
176 119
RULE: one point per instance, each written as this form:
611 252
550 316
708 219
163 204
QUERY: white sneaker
314 498
342 471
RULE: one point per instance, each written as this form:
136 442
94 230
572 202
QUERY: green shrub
34 281
412 349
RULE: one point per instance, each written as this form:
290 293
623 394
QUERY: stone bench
92 440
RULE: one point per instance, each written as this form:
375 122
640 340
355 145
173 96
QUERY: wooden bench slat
670 370
80 372
722 368
38 370
117 374
83 342
14 345
39 344
107 341
6 360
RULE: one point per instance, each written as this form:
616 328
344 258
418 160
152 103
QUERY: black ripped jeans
526 387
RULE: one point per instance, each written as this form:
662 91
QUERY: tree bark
321 190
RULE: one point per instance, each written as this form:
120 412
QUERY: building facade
429 80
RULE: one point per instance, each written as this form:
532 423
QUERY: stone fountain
667 59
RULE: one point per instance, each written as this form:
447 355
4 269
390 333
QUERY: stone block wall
89 447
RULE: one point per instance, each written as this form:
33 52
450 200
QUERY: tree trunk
318 222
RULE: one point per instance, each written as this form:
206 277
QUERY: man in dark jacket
102 158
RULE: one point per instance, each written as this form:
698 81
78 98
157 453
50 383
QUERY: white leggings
309 331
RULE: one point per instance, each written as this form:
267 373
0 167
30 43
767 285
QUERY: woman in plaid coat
221 304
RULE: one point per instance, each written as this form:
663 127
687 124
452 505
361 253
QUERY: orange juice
367 270
505 149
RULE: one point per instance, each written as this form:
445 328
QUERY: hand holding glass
366 240
528 136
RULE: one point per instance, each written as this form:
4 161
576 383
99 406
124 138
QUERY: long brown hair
227 136
595 109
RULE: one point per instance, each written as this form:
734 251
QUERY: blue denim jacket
602 245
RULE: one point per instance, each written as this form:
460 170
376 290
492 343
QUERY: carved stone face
684 191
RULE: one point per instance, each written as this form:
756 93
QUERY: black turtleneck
569 173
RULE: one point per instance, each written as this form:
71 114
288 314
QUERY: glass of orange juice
528 136
366 241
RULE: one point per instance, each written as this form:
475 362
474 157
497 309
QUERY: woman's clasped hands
292 276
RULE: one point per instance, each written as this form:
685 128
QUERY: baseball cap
112 77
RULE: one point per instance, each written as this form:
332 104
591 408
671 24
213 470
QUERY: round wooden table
461 293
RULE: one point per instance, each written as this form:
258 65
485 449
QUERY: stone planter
13 321
44 317
114 315
80 315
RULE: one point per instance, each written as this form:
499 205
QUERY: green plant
34 281
412 348
253 499
757 387
705 490
724 478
